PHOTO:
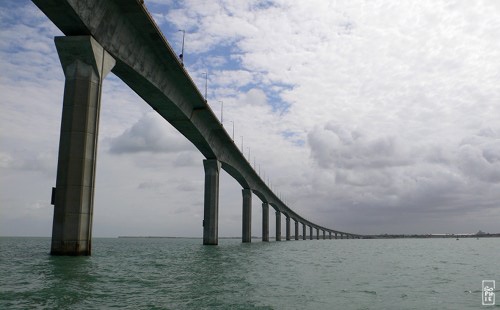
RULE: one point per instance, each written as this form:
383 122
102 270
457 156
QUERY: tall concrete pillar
304 231
330 235
310 232
247 215
85 64
211 206
287 220
265 222
317 233
278 226
335 235
296 230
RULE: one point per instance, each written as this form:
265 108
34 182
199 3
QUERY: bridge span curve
121 36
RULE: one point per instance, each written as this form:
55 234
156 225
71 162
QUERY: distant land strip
401 236
381 236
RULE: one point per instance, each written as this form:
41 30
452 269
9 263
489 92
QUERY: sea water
175 273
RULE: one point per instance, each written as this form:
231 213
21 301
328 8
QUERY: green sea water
164 273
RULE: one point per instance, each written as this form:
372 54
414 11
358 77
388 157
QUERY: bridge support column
317 233
85 64
265 222
278 226
310 232
330 235
211 207
296 230
304 231
287 228
247 215
335 235
324 234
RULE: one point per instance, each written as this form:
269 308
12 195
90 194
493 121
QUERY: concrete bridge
120 36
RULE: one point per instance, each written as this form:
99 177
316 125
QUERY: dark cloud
149 134
150 185
336 146
364 178
478 156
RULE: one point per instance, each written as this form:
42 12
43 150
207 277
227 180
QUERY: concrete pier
296 230
324 234
265 222
287 220
85 64
278 226
211 205
317 233
304 231
335 235
330 235
310 232
247 215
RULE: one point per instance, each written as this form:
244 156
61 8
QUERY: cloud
149 134
343 148
369 117
478 156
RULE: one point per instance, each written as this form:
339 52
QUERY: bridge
120 36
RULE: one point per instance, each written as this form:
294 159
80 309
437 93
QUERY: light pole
221 110
206 85
181 56
233 128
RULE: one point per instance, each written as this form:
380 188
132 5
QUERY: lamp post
206 85
233 128
181 56
221 111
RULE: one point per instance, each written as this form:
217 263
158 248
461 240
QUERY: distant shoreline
430 236
383 236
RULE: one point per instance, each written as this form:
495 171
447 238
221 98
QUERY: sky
368 117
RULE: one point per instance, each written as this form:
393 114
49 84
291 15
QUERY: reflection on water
70 280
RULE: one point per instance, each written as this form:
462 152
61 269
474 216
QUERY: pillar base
71 248
211 204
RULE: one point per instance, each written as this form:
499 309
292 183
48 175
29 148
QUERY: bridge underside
120 36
